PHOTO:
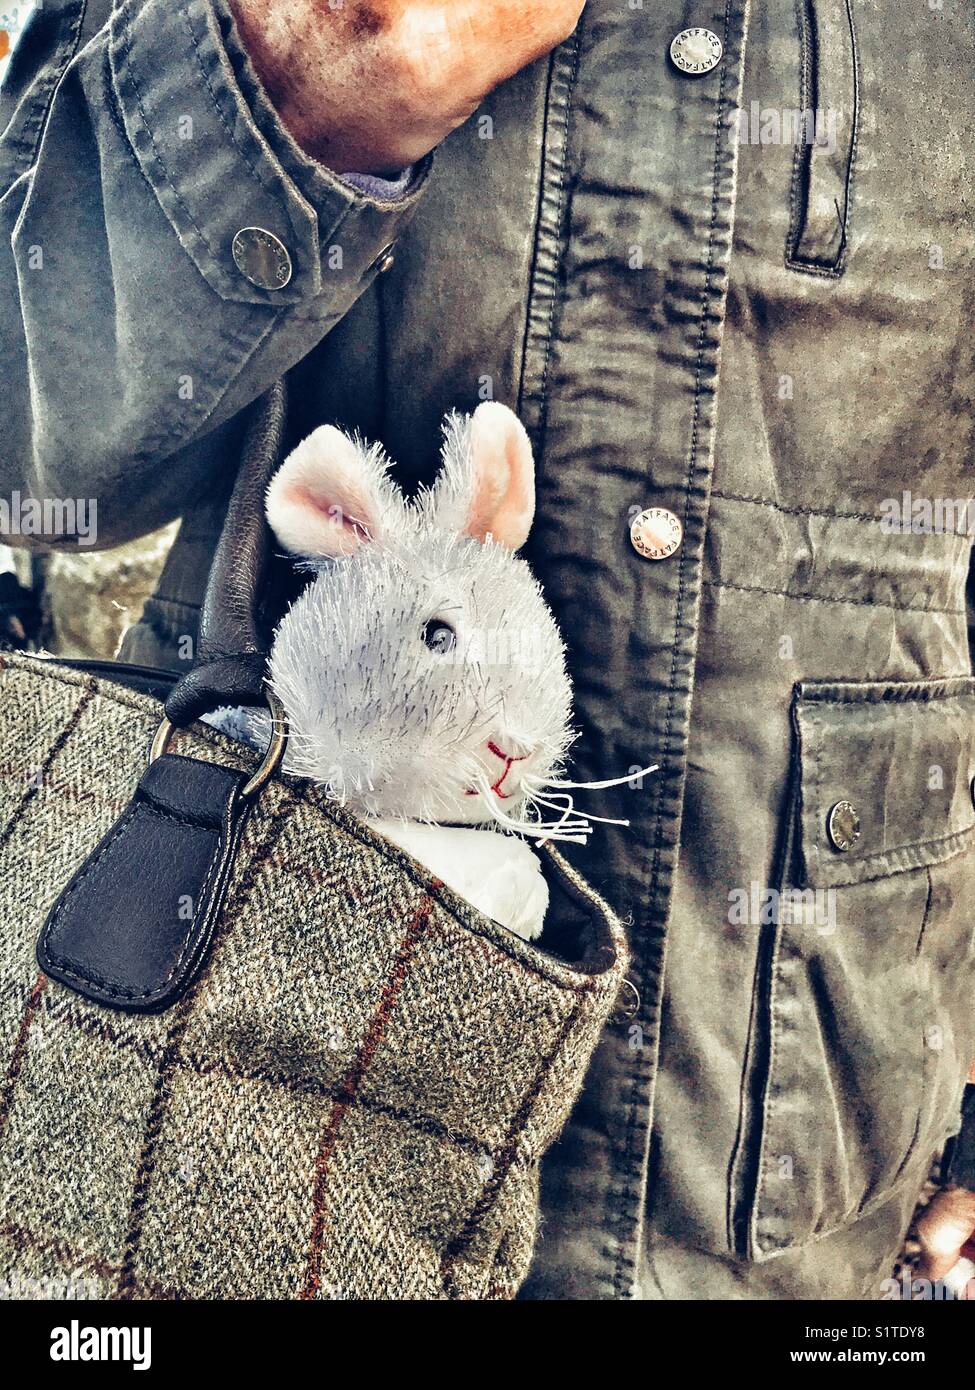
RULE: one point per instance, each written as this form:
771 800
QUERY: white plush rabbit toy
422 672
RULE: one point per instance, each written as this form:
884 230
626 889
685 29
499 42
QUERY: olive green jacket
700 303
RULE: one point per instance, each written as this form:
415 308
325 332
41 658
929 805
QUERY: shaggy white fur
499 874
422 671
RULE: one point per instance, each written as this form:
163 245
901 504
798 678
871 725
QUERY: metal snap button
656 533
262 258
843 826
627 1002
696 51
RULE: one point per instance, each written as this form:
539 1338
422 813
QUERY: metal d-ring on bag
266 1054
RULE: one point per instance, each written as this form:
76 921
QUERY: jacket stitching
829 598
823 511
126 54
29 137
625 1262
559 217
857 693
955 843
793 261
275 193
882 1199
804 103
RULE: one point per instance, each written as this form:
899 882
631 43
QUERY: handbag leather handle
112 934
231 653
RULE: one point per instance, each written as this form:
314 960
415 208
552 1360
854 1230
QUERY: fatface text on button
656 533
696 51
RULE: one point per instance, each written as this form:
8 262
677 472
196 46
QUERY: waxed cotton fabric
691 308
350 1102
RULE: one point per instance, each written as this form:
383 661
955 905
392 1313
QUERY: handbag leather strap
132 927
231 651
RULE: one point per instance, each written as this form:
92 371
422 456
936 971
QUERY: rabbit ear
331 495
487 485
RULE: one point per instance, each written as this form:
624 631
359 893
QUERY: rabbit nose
512 761
509 748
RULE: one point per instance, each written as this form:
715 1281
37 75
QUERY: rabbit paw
515 893
498 874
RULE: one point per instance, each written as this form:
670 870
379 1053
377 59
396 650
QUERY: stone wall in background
91 598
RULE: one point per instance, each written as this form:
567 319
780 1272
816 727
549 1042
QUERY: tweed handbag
266 1054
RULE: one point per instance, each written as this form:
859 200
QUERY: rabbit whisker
590 786
570 806
572 831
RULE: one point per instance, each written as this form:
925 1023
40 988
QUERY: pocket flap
902 754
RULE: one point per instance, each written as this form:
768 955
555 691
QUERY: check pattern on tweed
350 1102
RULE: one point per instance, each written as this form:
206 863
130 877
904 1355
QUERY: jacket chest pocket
829 108
864 1026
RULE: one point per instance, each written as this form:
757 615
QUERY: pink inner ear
319 502
489 495
355 522
321 526
503 500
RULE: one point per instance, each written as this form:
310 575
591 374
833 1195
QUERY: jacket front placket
620 389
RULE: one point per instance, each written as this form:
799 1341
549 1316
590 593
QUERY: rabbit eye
439 636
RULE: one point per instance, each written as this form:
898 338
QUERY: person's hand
373 85
944 1228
